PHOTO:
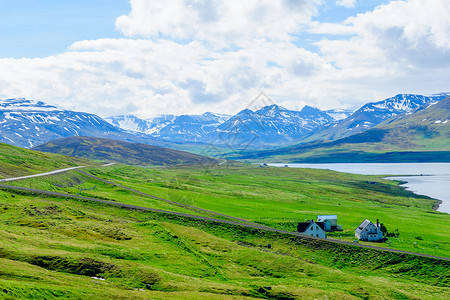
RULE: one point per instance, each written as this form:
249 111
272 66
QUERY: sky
151 57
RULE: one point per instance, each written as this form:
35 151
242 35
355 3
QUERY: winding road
234 221
42 174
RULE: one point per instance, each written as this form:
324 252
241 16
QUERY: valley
132 215
194 149
167 244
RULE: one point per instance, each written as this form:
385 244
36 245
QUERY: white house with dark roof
316 229
367 231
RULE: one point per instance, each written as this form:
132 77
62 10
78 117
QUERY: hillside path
48 173
41 174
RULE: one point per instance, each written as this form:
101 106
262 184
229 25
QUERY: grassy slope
119 151
52 247
281 197
16 161
278 197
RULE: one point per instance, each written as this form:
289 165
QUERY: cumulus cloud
218 22
192 56
398 36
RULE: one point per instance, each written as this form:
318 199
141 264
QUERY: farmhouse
367 231
330 222
312 228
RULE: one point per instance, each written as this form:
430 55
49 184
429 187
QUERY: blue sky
30 28
149 57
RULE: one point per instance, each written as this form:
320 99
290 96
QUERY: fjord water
430 179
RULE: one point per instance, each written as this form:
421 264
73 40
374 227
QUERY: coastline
402 182
425 179
436 206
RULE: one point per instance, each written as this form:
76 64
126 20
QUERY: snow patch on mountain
26 123
22 104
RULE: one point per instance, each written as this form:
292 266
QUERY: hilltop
108 150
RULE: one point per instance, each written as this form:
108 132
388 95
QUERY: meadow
62 247
276 197
59 247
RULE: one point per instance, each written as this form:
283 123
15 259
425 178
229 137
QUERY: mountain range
372 114
419 136
184 128
28 123
269 126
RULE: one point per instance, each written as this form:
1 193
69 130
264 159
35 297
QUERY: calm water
431 179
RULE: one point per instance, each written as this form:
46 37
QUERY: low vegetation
55 247
16 161
276 197
63 247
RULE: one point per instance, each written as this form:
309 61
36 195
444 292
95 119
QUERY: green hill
423 136
61 247
119 151
15 161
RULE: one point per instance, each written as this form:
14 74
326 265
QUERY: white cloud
346 3
218 22
396 37
173 65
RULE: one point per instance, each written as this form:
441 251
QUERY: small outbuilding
367 231
330 222
316 229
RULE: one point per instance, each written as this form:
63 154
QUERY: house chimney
378 223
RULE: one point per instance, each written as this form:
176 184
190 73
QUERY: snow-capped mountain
270 125
27 123
191 127
136 124
184 128
371 114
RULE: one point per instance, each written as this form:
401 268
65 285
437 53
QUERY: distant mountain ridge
270 125
183 128
274 126
420 136
372 114
27 123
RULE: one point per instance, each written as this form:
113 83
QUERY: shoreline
436 206
407 175
403 182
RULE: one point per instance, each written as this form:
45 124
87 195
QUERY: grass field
53 247
277 197
16 161
61 247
